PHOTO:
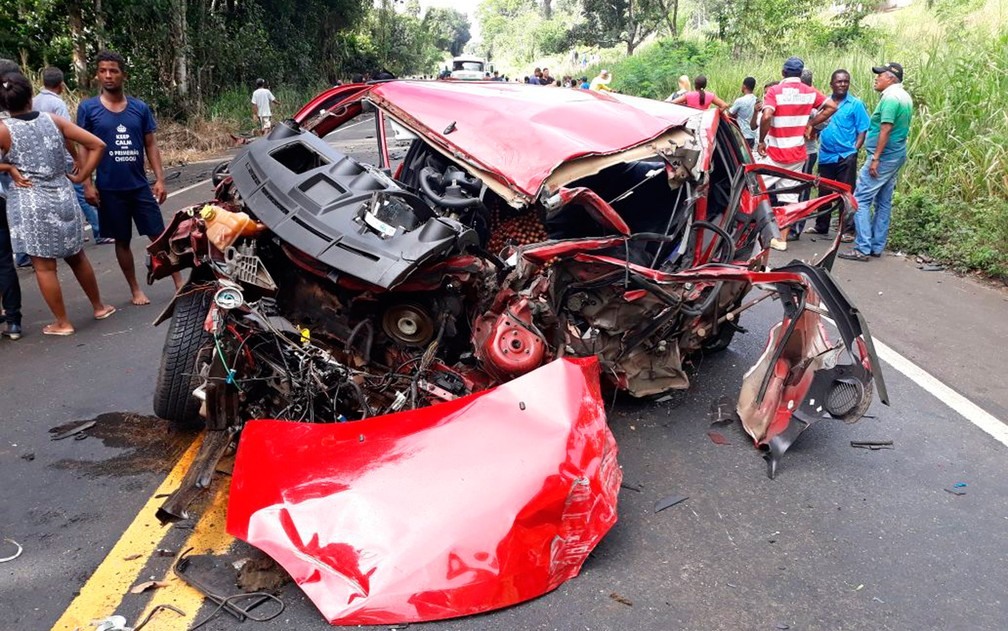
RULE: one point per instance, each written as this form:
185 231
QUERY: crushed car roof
524 132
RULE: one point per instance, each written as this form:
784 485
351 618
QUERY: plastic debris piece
16 554
931 267
83 427
873 445
955 492
142 587
112 623
717 438
132 557
960 485
783 626
621 600
637 488
667 502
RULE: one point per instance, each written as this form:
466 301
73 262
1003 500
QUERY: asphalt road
842 539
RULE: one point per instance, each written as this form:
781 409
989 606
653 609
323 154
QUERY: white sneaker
779 244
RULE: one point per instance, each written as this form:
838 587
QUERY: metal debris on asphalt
669 501
16 554
722 411
73 431
636 488
873 445
621 600
156 609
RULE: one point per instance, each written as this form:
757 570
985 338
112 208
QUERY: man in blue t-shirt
121 191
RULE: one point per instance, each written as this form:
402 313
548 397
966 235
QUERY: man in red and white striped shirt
787 107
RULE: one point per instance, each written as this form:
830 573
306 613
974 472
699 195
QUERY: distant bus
470 68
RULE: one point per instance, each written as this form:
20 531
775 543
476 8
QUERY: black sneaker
876 255
12 331
853 254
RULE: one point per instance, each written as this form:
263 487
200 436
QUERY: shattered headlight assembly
229 296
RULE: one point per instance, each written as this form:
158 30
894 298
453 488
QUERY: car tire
178 374
725 335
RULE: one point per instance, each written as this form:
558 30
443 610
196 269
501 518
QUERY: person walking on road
45 220
886 146
700 98
120 191
262 106
840 142
741 110
786 122
49 100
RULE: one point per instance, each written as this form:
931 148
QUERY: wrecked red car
519 227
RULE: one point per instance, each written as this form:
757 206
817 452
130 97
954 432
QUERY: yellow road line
208 537
114 576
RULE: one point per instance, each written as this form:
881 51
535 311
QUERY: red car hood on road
444 511
519 133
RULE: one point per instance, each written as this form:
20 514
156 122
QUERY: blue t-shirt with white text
122 167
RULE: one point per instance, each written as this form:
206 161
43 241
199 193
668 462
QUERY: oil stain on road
147 444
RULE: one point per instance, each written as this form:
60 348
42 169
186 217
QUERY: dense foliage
183 54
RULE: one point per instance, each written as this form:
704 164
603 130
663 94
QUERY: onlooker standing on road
742 110
840 142
121 192
10 286
49 100
886 146
700 98
262 110
684 86
787 107
45 220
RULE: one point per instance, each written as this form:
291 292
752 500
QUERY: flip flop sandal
47 330
106 314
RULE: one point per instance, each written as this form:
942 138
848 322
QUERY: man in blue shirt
121 191
840 142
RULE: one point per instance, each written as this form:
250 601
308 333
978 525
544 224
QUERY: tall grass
952 199
234 107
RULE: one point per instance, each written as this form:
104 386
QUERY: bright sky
465 6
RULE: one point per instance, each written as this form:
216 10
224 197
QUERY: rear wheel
178 375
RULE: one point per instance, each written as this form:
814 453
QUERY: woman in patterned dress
45 219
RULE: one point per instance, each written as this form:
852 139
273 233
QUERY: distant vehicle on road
470 68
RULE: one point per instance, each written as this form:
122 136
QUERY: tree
609 22
449 29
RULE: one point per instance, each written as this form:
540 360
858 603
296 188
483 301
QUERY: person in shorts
262 106
120 190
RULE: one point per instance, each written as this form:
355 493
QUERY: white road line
957 402
966 408
188 188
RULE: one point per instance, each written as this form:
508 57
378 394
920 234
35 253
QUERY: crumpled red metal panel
445 511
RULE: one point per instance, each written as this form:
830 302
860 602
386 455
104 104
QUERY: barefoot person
45 219
120 191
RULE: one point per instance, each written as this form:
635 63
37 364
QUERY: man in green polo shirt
886 147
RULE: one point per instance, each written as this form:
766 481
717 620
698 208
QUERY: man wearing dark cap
886 147
787 109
